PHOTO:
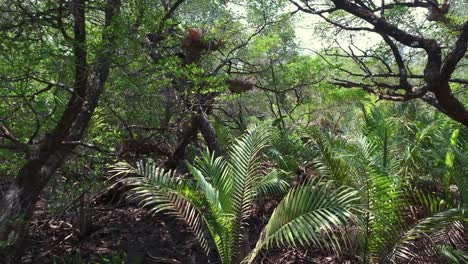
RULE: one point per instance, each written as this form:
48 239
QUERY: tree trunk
18 202
199 122
189 133
209 134
20 199
202 103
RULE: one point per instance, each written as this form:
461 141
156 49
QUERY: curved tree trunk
202 104
209 134
18 202
198 123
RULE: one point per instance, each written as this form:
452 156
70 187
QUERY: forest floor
128 234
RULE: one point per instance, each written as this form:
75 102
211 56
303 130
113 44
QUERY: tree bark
189 133
198 123
436 89
436 73
209 134
19 200
202 104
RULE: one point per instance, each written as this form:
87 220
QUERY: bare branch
90 146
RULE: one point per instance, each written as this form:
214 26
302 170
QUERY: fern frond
244 164
422 237
274 183
385 207
329 163
309 215
455 256
160 191
460 169
208 168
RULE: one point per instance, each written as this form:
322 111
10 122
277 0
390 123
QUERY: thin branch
90 146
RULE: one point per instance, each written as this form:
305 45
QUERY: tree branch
456 54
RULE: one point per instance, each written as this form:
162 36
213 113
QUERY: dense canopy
233 131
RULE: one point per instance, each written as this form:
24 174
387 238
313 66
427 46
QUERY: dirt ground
128 234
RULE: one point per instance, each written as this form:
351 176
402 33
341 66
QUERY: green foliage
329 162
455 256
223 192
404 162
276 182
456 168
288 150
309 215
162 191
402 221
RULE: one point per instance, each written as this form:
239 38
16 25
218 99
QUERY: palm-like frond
215 180
162 192
329 163
308 215
411 227
422 240
213 174
385 207
386 162
274 183
455 256
420 148
244 164
397 226
228 189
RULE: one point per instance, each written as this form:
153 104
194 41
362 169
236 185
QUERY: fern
162 192
225 191
455 256
400 223
308 215
274 183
